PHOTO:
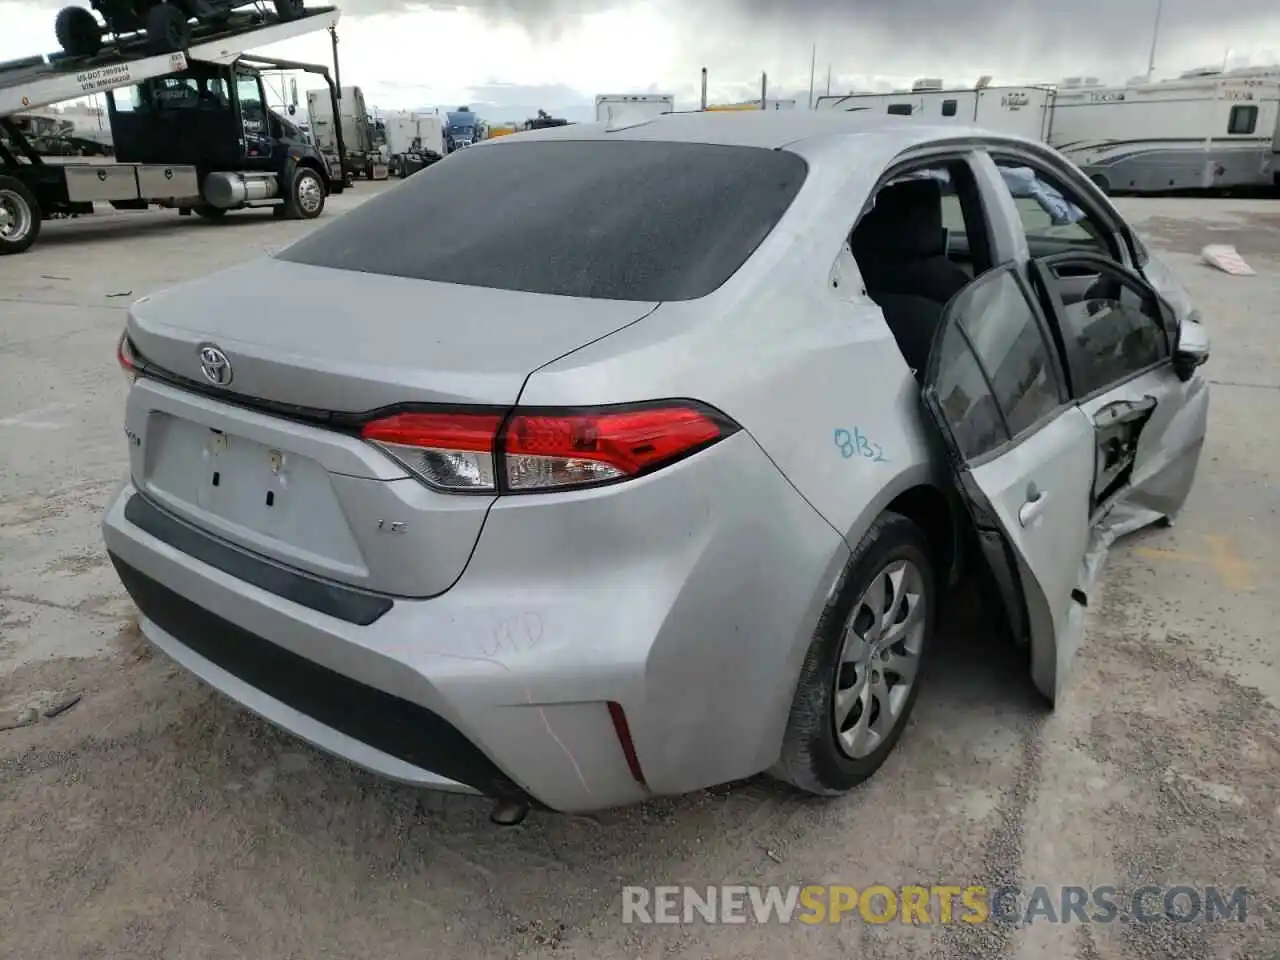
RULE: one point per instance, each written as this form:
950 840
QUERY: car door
1022 456
1120 340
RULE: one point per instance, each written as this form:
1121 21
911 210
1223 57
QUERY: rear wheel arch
932 510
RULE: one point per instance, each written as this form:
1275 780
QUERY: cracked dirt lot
155 819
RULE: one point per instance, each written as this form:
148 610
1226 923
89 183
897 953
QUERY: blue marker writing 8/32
854 442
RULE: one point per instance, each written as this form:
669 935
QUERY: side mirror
1192 352
293 108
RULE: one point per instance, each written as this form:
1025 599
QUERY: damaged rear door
1022 453
1069 424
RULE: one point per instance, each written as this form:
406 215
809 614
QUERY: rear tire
305 200
827 750
167 28
78 32
19 216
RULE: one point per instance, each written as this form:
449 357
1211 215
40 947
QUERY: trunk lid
344 341
317 499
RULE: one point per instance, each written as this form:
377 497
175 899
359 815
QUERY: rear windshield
615 220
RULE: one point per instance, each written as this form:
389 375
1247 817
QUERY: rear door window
617 220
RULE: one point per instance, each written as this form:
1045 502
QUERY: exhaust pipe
507 813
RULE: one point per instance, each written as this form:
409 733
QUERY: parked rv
1024 110
619 106
1203 130
1206 129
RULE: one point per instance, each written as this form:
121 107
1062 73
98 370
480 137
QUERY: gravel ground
153 818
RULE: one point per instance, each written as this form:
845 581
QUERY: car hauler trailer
1023 111
1204 130
191 130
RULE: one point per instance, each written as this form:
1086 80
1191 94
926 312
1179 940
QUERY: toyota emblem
214 365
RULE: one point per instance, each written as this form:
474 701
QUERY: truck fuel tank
228 189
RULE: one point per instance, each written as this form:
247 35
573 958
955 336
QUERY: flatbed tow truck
192 130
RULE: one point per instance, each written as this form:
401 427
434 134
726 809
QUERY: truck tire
305 199
78 32
289 9
167 28
19 216
206 212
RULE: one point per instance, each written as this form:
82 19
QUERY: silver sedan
597 463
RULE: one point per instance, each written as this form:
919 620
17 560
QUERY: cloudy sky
507 58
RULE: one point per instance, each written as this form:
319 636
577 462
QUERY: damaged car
658 481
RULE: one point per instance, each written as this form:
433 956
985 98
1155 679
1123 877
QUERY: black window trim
1058 177
1054 304
1065 402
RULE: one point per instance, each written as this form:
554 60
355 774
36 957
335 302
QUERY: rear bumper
687 601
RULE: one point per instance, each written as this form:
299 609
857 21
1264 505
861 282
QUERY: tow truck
192 130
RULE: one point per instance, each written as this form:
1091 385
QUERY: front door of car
1022 454
1119 340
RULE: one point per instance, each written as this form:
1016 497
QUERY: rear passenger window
964 398
1011 348
900 109
948 108
1243 120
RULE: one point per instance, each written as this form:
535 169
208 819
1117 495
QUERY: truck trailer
360 154
414 140
191 130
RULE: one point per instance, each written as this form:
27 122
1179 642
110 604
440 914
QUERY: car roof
771 129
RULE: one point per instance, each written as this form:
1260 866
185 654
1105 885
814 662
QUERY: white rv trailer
615 107
1204 130
1023 111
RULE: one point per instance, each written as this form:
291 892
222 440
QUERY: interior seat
900 247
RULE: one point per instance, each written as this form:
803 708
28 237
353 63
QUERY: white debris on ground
1227 259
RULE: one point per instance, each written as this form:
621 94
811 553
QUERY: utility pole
704 88
764 91
828 79
337 75
1155 39
813 59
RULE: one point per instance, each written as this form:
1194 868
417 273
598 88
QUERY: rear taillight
532 451
450 451
127 357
